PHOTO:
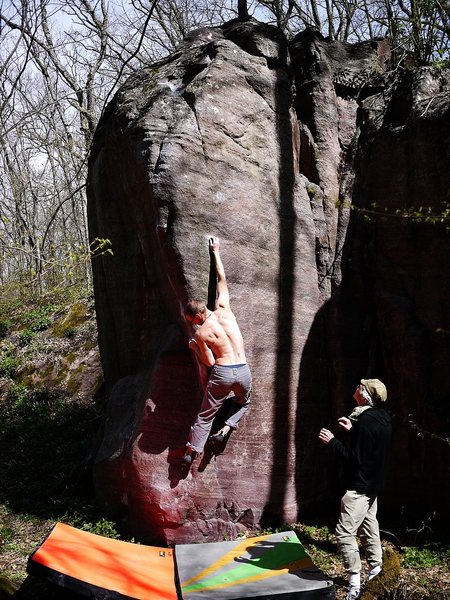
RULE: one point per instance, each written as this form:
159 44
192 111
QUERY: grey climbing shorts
223 380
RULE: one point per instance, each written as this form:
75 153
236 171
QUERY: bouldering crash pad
271 566
99 567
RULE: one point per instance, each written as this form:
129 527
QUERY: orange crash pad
95 566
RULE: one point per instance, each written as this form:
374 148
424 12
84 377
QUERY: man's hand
214 244
345 423
193 345
325 435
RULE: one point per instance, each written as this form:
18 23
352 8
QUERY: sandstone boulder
204 143
213 141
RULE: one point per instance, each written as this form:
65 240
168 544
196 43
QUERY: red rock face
206 143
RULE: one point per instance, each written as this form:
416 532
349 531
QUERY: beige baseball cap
376 389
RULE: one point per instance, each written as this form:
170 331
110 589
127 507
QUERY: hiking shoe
374 572
353 594
188 458
216 438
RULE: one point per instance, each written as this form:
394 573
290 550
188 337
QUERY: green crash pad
275 566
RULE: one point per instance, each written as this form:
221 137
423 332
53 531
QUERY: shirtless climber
218 344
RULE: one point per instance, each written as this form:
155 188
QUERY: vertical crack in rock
189 97
159 158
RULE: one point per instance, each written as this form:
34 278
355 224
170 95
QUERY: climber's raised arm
218 344
223 296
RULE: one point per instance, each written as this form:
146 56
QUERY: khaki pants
358 516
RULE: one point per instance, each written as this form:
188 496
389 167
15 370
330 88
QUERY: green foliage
45 400
6 534
25 337
9 304
5 324
311 191
8 365
101 246
430 555
35 320
102 527
442 62
42 441
417 32
17 395
37 402
320 544
45 435
39 319
412 214
317 533
9 362
321 558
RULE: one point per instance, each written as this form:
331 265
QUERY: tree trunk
243 9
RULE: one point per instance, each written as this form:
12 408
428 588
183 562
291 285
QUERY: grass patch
430 555
320 544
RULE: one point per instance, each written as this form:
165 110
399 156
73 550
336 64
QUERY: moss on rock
387 581
76 316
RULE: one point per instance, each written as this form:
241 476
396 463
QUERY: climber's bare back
221 333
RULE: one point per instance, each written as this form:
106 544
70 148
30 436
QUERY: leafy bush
25 337
35 320
39 402
101 526
17 395
8 359
40 319
8 365
315 533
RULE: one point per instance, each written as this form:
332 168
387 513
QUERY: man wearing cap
366 459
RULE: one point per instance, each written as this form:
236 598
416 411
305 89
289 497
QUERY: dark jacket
366 458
